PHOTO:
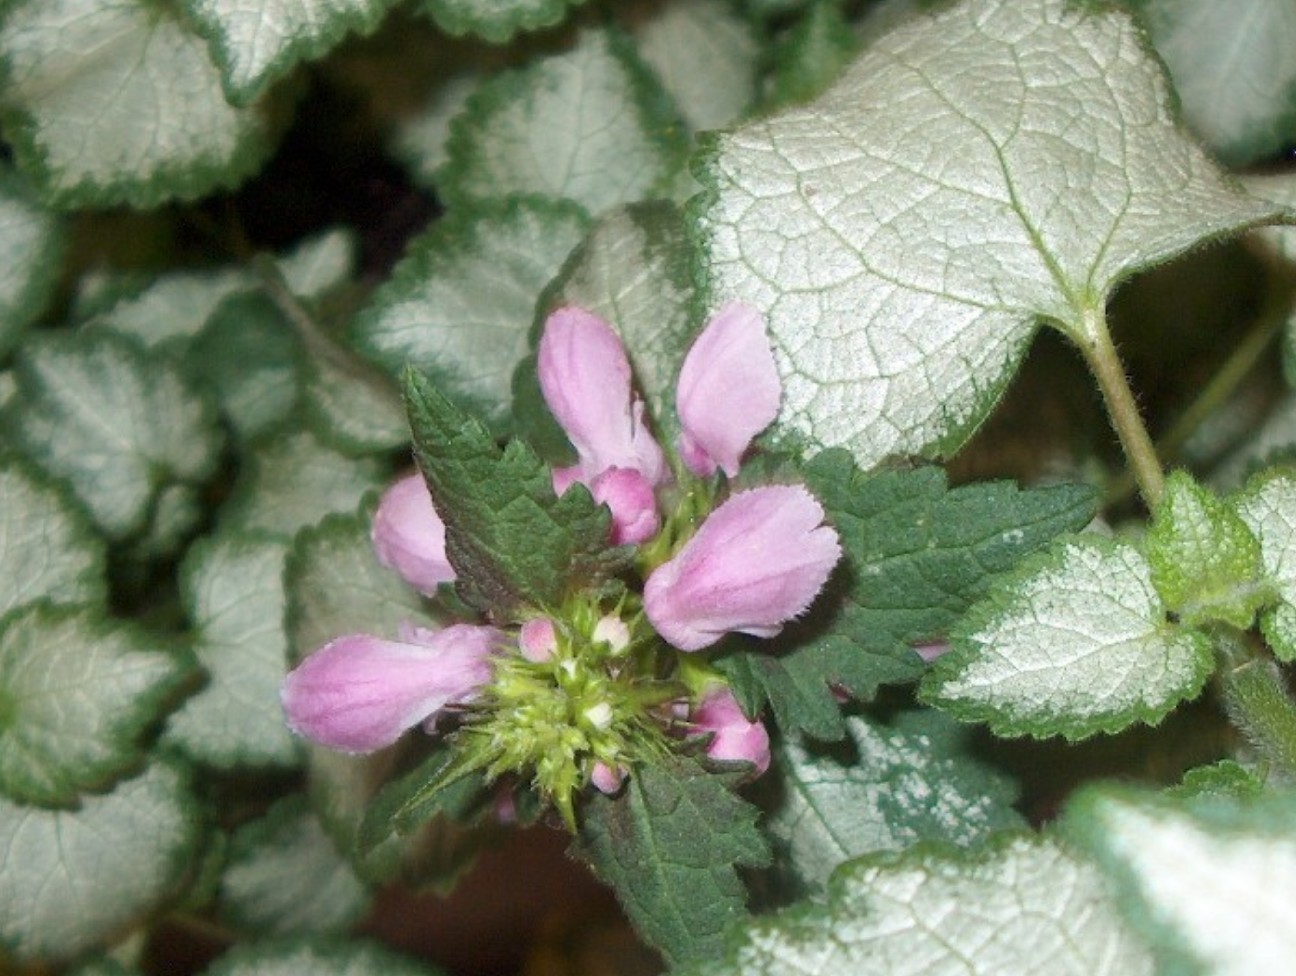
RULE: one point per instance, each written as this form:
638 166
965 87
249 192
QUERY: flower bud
607 779
756 562
538 639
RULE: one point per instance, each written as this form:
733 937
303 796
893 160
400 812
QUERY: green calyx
592 700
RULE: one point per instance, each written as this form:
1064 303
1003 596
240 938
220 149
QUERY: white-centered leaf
1021 907
233 587
973 172
115 101
48 547
706 56
459 306
115 421
891 787
1278 188
293 479
496 20
258 41
327 958
419 140
1211 882
1268 506
588 125
78 692
1075 642
74 878
320 263
1232 67
32 241
172 310
284 877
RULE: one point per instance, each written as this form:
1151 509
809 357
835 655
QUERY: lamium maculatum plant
819 472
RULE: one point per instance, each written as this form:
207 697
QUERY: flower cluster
576 695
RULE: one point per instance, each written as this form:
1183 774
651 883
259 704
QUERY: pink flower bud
360 693
538 639
607 779
728 391
930 652
586 381
756 562
409 536
735 737
613 631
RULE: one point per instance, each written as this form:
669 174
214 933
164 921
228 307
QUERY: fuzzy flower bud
538 639
607 779
756 562
409 536
735 738
360 693
728 391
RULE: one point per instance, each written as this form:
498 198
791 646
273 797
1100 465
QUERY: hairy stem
1100 353
1259 704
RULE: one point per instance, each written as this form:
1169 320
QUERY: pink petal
735 737
360 693
728 391
409 536
586 381
756 562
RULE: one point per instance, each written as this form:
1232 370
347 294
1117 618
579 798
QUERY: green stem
1099 352
1257 701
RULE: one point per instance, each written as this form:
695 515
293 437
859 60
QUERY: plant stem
1257 701
1100 353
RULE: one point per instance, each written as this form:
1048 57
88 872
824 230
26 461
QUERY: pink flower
607 779
756 562
586 381
728 391
409 536
735 737
360 693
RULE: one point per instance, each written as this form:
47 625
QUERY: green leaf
1021 906
669 845
335 587
77 695
257 42
588 125
706 57
1268 506
1205 561
512 541
461 302
32 239
419 140
916 556
496 20
886 787
1209 882
330 957
249 358
142 121
902 286
233 589
634 271
293 480
74 879
284 877
1074 643
48 547
118 423
350 412
1231 70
